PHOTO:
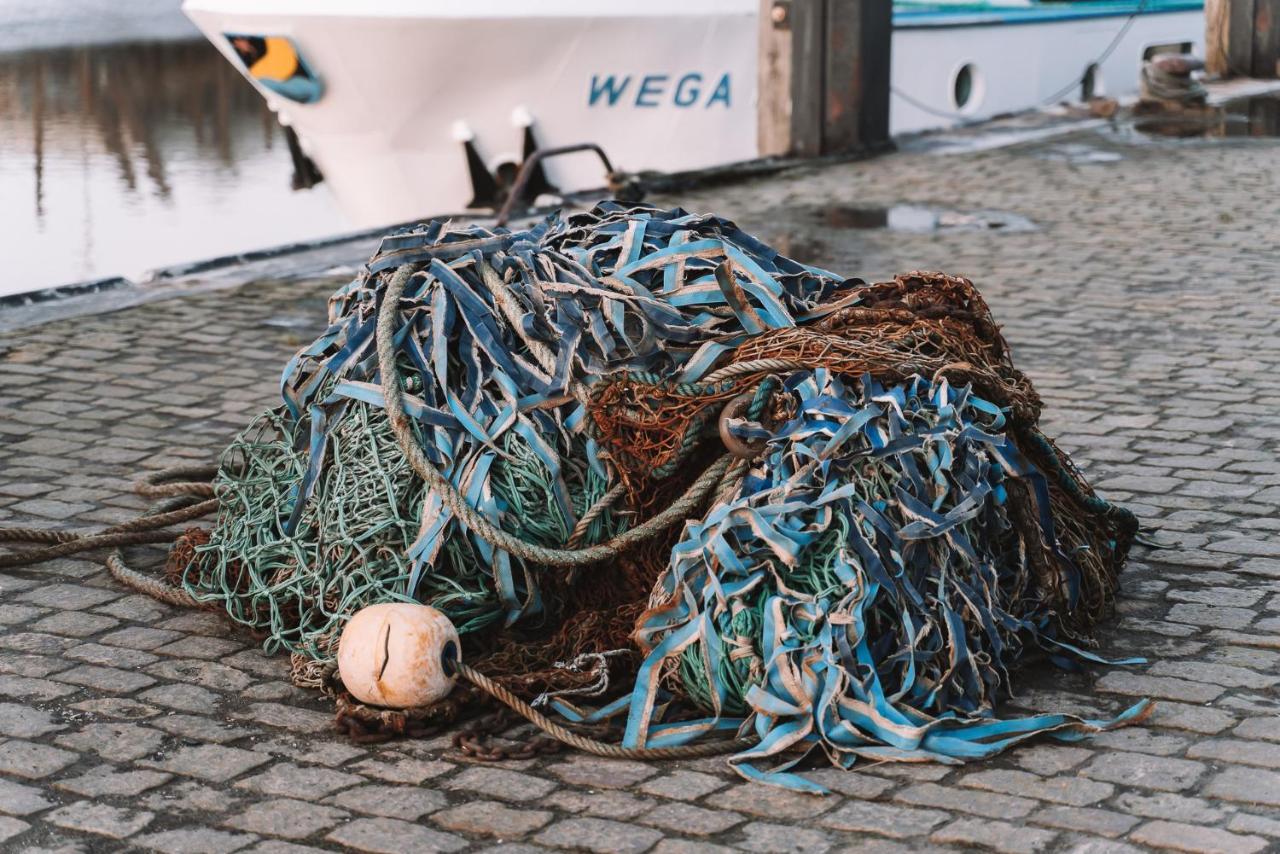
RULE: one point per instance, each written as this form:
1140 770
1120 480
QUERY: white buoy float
398 655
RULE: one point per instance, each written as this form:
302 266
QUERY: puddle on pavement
1257 116
1079 153
922 219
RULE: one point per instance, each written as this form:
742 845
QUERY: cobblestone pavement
1146 307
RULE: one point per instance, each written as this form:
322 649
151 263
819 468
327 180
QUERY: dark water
117 159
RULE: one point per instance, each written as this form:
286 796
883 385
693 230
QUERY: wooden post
1266 38
824 75
1242 38
773 107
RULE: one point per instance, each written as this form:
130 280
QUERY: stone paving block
598 773
839 781
501 783
209 762
1160 687
138 609
32 761
691 820
72 597
599 835
189 797
603 804
1049 759
883 819
286 817
770 838
51 508
1142 740
23 664
290 780
1201 719
260 664
994 835
140 637
25 687
200 647
110 679
1267 728
1215 674
26 722
1245 785
1248 546
37 642
768 802
286 717
20 799
11 827
194 840
109 656
279 846
12 614
1085 819
391 801
102 819
965 801
119 742
310 751
1233 596
1075 791
1220 617
1194 838
187 698
207 674
74 624
1152 772
490 818
682 785
197 728
399 769
389 836
109 780
1170 806
684 846
1237 752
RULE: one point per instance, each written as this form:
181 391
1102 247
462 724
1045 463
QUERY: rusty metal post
824 75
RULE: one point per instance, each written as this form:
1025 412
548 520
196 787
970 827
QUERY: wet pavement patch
921 219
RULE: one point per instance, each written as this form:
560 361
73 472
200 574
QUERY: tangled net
902 535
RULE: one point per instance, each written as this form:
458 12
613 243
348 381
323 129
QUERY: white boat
409 106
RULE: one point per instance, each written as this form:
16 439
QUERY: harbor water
127 143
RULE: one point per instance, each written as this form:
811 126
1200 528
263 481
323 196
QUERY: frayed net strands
528 431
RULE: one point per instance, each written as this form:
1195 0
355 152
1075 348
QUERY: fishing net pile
684 483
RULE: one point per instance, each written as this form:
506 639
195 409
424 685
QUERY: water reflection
116 159
1242 117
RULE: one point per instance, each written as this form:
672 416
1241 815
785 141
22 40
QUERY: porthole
962 87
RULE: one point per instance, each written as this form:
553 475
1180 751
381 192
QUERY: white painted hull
1021 66
402 77
398 84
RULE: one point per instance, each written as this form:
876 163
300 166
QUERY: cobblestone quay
1146 307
